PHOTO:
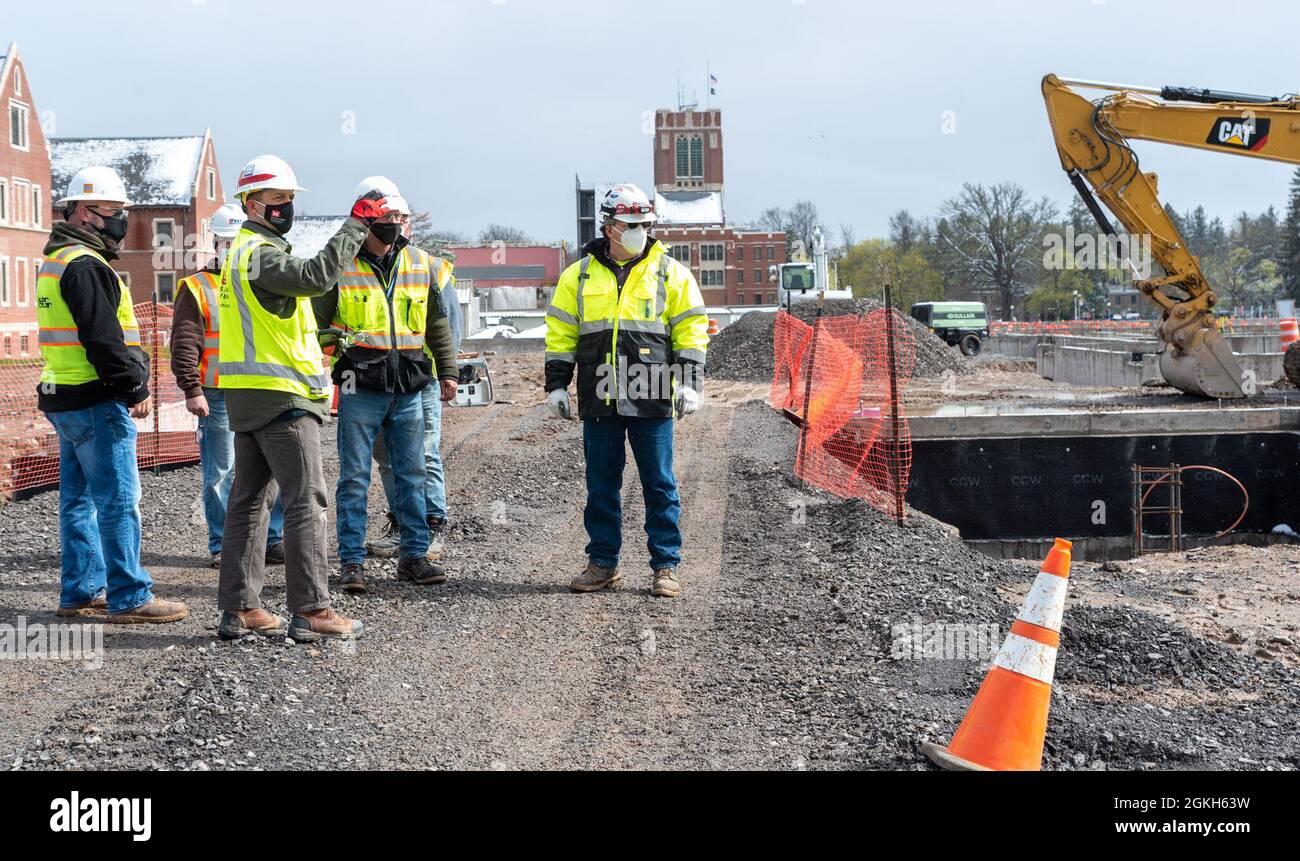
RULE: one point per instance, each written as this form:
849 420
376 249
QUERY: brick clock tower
688 150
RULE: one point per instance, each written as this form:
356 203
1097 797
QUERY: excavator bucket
1205 367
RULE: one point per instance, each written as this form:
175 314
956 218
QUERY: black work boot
352 578
421 572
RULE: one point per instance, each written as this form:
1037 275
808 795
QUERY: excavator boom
1092 140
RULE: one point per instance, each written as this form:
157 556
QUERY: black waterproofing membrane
1081 487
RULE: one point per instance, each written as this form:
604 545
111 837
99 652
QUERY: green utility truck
964 325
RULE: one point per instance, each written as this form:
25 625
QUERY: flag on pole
713 84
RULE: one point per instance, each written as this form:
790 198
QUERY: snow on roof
310 233
689 207
157 171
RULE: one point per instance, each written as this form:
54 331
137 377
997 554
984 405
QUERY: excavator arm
1092 141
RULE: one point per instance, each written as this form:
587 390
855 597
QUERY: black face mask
386 233
279 216
114 227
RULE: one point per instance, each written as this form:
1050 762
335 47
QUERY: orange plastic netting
29 448
856 442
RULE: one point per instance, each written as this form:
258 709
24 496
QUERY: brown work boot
236 626
666 584
156 612
594 578
323 624
93 607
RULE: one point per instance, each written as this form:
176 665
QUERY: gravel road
778 655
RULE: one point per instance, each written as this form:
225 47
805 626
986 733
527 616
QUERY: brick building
511 276
24 208
730 263
175 186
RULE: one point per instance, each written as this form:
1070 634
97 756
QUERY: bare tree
798 223
431 239
502 233
993 237
904 230
848 237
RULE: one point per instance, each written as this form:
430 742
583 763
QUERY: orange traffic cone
1007 721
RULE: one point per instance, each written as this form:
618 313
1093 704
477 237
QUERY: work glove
686 402
369 208
558 404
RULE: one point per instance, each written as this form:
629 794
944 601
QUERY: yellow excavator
1092 138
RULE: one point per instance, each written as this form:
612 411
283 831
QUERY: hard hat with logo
267 171
95 183
227 220
381 184
628 204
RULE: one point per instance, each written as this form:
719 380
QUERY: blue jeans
435 486
363 417
217 455
606 454
99 508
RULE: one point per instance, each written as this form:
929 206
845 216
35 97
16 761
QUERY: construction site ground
783 651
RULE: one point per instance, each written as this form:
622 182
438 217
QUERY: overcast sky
483 110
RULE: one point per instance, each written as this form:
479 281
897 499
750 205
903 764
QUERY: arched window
683 160
697 157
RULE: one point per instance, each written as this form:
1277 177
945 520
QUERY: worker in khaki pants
276 392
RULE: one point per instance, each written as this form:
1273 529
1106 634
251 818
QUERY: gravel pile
743 350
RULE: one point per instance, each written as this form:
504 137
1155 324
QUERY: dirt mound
743 350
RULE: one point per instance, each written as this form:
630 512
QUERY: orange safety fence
855 441
29 448
1231 325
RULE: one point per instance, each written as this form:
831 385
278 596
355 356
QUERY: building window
18 83
18 115
4 201
163 229
758 276
682 253
20 199
4 282
771 252
20 281
683 158
697 157
23 344
771 298
36 206
165 287
9 346
740 276
740 254
712 278
212 184
710 252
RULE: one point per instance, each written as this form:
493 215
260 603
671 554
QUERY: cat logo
1239 133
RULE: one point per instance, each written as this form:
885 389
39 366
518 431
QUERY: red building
731 264
24 208
529 269
175 186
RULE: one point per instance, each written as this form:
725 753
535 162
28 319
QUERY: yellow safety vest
377 320
65 359
258 349
205 287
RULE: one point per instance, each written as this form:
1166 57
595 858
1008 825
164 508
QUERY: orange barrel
1290 332
713 326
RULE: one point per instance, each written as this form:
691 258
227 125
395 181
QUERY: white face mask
634 240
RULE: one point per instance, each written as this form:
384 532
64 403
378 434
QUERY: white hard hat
227 220
398 204
381 184
629 204
95 183
267 171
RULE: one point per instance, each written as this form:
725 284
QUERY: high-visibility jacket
629 346
65 359
386 316
385 319
205 287
258 349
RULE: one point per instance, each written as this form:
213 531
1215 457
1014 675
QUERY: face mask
634 240
114 226
386 233
279 216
